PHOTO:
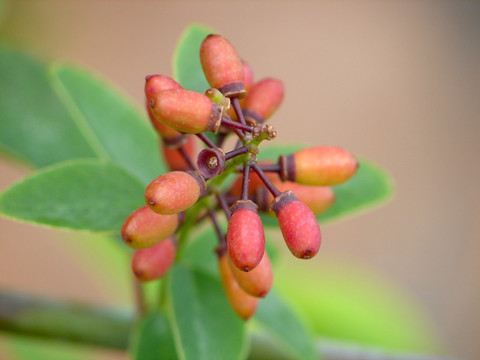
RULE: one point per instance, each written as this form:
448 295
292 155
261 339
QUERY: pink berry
245 236
257 282
299 226
152 263
263 99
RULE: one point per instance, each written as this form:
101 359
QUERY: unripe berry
242 303
321 165
222 66
174 158
318 198
257 282
154 262
263 99
299 226
245 236
145 228
186 111
174 191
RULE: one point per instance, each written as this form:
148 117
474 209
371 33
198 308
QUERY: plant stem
275 192
187 158
245 182
238 110
236 125
206 140
238 151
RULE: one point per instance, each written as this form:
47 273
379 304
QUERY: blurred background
394 81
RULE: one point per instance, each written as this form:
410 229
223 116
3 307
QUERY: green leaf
370 186
152 339
204 325
111 124
275 316
34 125
187 68
80 194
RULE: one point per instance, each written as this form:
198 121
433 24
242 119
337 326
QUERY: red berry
222 66
154 262
257 282
186 111
263 99
242 303
299 226
174 191
321 165
245 236
174 158
144 228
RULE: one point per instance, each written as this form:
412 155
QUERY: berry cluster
295 189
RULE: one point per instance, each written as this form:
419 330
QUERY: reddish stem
186 157
275 192
236 125
206 140
245 182
238 111
231 154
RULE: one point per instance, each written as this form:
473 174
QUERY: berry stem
224 205
216 225
234 153
206 140
245 182
236 125
275 192
238 111
187 158
270 168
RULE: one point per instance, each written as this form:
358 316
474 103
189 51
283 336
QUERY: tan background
398 82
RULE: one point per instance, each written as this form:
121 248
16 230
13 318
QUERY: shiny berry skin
320 166
318 198
242 303
257 282
174 158
155 84
222 66
299 226
174 191
186 111
245 236
144 228
152 263
263 99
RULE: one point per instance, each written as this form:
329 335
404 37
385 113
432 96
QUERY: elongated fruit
257 282
152 263
144 228
245 236
242 303
299 226
263 99
174 191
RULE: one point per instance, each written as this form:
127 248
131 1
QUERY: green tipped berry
242 303
152 263
245 235
299 226
145 228
174 191
320 166
263 99
222 66
174 158
318 198
186 111
257 282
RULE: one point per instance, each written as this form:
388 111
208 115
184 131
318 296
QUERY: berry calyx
320 165
174 191
299 226
154 262
144 228
245 235
257 282
211 162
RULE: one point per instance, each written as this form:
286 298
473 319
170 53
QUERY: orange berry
321 165
242 303
257 282
174 159
263 100
245 236
299 226
144 228
186 111
222 66
174 191
152 263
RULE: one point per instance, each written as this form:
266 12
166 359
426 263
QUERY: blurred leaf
152 339
187 68
111 124
34 125
204 325
370 186
283 324
344 300
80 194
